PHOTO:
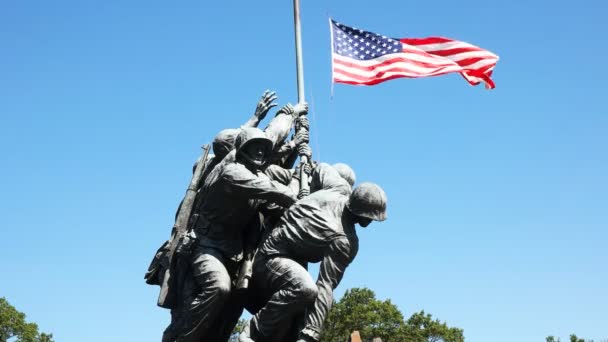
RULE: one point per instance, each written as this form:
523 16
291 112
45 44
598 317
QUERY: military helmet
368 200
250 135
345 172
223 142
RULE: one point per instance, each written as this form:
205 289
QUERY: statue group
248 227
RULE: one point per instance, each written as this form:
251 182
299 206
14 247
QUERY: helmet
224 142
368 200
250 135
345 172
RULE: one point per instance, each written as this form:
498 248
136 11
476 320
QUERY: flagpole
300 78
299 62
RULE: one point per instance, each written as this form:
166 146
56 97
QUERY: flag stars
363 45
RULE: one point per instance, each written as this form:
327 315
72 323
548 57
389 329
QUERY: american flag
367 58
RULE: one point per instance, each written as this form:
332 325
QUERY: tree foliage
13 325
234 337
573 338
360 310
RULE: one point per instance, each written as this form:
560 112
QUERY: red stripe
484 69
449 52
470 82
359 80
380 74
389 62
370 82
469 61
486 78
416 51
423 41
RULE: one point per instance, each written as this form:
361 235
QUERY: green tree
360 310
13 324
422 327
573 338
234 337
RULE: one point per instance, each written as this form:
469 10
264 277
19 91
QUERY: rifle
169 286
252 240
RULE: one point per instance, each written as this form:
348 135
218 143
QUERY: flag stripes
366 58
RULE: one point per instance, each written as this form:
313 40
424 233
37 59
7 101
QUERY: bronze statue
317 228
249 225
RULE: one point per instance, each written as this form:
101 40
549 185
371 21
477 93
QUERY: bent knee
308 292
216 284
222 288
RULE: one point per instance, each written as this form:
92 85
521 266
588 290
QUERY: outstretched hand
265 104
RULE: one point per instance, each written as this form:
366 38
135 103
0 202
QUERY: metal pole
300 77
299 62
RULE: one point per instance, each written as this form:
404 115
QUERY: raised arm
264 105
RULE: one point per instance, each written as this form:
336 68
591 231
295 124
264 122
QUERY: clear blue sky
498 200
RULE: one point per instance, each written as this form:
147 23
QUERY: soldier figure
231 197
245 186
320 227
255 150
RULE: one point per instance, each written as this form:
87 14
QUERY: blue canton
362 45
